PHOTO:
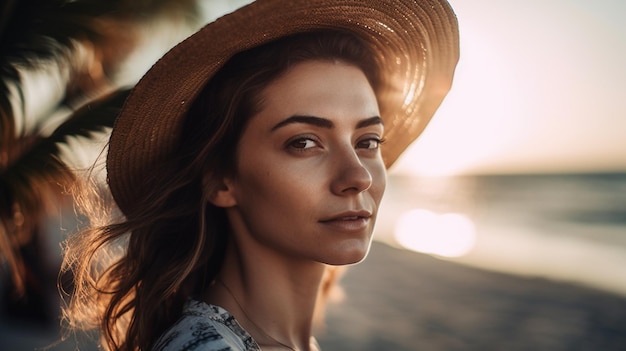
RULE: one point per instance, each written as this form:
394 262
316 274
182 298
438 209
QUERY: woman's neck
273 297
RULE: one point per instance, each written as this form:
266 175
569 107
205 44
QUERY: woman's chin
349 255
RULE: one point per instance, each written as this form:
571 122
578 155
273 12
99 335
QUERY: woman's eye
371 143
303 143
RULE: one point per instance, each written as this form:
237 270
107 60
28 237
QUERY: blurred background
503 226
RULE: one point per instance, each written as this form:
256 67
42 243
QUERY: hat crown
416 41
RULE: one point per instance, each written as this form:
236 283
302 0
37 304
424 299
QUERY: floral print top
205 327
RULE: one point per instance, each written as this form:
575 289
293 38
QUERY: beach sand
400 300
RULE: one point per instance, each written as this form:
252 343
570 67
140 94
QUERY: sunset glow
528 98
445 235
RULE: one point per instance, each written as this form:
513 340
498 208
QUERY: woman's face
310 175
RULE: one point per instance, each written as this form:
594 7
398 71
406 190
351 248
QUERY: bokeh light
445 235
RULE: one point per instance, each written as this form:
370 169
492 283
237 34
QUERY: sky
540 87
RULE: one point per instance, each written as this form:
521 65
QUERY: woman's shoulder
205 327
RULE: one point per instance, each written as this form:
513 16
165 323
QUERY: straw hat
417 41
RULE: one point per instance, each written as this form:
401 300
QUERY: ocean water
566 227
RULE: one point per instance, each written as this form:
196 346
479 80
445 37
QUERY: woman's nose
351 175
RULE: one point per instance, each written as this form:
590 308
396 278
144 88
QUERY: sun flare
444 235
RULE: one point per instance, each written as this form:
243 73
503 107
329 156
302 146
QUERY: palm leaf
33 32
38 175
37 32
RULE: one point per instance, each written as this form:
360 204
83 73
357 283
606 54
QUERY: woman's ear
219 191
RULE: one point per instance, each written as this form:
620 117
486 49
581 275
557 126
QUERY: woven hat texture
416 40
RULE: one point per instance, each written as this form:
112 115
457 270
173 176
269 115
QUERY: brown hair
172 244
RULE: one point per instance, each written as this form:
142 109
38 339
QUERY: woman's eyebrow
316 121
323 122
369 122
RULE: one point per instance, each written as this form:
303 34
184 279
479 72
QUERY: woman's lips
348 222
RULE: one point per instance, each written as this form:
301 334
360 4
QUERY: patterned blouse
205 327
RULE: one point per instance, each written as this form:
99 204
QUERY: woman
247 161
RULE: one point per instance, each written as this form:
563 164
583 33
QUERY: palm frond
38 174
92 117
34 33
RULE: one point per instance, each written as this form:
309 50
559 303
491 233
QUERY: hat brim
417 42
